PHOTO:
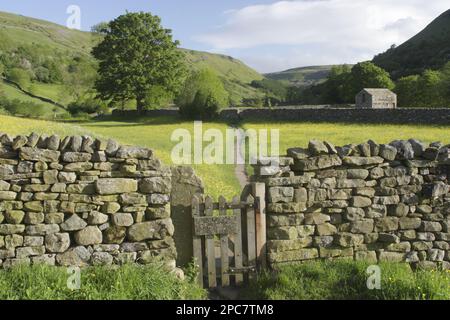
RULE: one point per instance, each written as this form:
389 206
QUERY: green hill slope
39 46
18 30
429 49
302 77
235 74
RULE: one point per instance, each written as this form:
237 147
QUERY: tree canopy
100 28
428 90
203 95
344 83
368 75
137 54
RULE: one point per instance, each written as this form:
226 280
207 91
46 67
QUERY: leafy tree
157 97
79 79
445 84
430 89
42 74
100 28
87 105
368 75
425 91
55 73
203 95
137 54
2 69
407 92
337 88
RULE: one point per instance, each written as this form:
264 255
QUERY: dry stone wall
376 202
82 201
317 114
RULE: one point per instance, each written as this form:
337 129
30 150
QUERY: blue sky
268 35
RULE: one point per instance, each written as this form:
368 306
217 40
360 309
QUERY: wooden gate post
259 193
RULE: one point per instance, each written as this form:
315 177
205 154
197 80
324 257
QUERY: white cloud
314 31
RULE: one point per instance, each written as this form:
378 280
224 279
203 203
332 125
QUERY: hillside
39 47
429 49
18 30
235 74
301 77
40 108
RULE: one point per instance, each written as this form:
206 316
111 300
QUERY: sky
268 35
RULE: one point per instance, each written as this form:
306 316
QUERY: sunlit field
156 134
299 134
151 133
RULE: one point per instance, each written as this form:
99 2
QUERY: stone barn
376 99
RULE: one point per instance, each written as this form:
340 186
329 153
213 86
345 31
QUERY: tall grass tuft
128 282
338 280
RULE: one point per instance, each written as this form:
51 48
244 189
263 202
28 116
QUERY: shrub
42 74
87 105
19 76
203 95
22 108
28 109
3 111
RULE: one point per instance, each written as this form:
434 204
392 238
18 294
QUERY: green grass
338 280
129 282
51 91
14 126
299 134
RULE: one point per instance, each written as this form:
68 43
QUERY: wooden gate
229 237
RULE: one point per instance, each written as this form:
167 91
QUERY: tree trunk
140 105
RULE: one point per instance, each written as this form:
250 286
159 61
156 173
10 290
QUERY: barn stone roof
377 91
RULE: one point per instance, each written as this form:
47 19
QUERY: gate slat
224 257
238 242
197 242
210 248
251 232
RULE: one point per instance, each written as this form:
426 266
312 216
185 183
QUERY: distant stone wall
319 114
341 115
82 201
167 112
388 202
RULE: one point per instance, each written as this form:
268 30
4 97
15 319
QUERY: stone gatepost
185 184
